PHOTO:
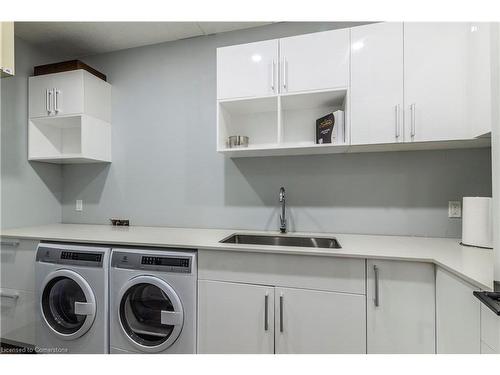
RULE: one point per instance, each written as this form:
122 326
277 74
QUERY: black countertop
491 299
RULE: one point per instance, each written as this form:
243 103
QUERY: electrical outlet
454 209
79 205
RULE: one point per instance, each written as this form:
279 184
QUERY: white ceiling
77 39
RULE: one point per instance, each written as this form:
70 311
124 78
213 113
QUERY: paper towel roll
476 222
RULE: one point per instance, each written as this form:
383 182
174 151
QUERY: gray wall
30 192
166 171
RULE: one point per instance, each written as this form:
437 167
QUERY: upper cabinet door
247 70
315 61
377 83
436 59
40 96
400 307
68 93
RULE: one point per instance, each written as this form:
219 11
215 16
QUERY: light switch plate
454 209
79 205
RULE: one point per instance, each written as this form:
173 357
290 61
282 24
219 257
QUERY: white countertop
472 264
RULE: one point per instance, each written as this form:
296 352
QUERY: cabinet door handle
56 100
50 95
412 113
273 66
13 296
284 74
266 312
47 101
281 313
398 128
376 300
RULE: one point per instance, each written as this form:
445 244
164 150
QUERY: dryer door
150 313
67 304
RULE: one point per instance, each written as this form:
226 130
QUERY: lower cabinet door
17 319
235 318
312 321
458 314
400 307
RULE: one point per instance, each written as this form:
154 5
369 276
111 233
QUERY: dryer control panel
70 255
181 263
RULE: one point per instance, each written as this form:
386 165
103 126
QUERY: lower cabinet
400 307
235 318
17 292
245 318
17 320
317 322
458 314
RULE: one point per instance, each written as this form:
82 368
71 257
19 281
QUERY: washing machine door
67 304
150 313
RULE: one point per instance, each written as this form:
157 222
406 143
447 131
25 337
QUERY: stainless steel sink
257 239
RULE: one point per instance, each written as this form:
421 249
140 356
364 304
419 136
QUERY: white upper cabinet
69 118
400 307
314 61
247 70
69 93
436 60
377 83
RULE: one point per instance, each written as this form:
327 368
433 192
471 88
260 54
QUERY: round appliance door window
68 304
150 313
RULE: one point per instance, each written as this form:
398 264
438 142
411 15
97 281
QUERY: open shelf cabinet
69 139
282 124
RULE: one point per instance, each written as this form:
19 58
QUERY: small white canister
477 222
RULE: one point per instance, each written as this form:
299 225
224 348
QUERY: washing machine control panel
71 255
168 263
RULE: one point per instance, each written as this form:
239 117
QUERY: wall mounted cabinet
436 92
377 84
247 70
317 61
274 91
7 58
410 86
69 118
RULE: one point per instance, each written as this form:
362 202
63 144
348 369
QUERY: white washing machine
72 298
153 301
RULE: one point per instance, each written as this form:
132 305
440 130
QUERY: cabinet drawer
17 316
18 263
299 271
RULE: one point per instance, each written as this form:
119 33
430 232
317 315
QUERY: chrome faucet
283 210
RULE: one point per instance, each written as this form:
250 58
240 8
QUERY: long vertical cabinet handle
47 101
376 300
56 100
281 313
273 67
266 312
284 74
412 113
398 127
50 94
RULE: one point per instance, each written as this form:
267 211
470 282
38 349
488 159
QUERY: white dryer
72 297
153 301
